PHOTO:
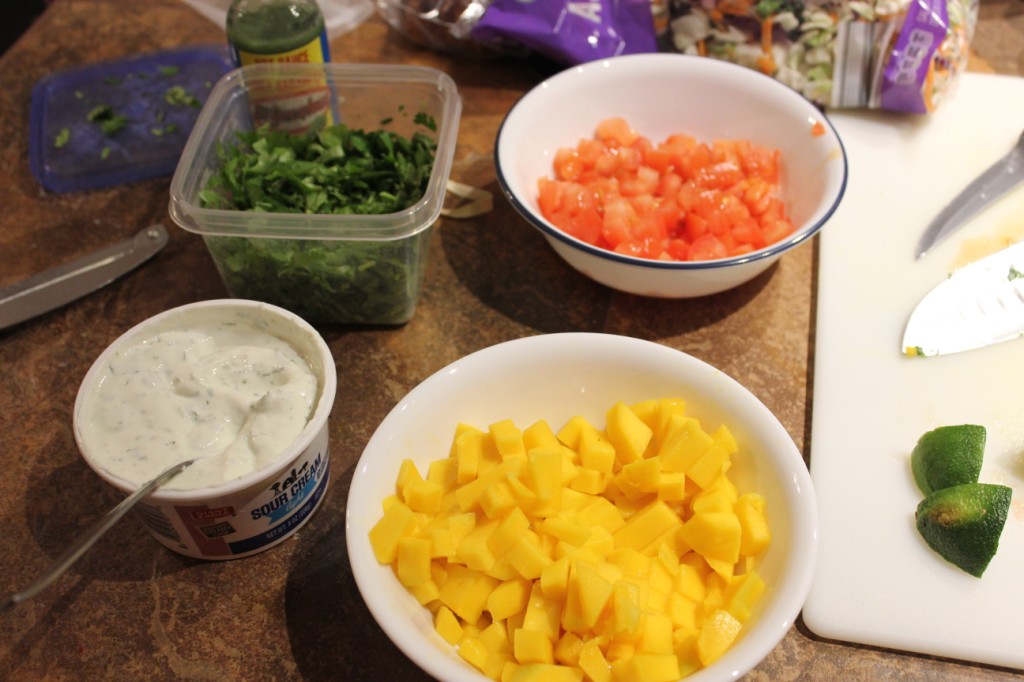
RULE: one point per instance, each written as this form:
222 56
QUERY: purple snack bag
568 31
905 85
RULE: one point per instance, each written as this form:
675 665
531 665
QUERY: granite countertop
131 609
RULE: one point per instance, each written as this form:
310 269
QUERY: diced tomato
570 207
616 131
680 199
708 247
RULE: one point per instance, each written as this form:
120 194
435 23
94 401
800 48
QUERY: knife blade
64 283
997 180
978 305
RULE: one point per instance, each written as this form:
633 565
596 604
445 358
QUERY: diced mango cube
508 532
565 529
716 636
497 500
531 646
567 649
709 466
593 663
468 495
528 557
474 550
640 477
507 438
755 533
444 473
590 481
599 511
546 672
554 579
543 614
672 486
474 651
545 469
627 433
407 473
657 635
593 591
683 611
627 609
413 560
539 434
647 525
448 625
397 522
426 592
508 598
596 452
683 443
690 583
646 668
423 496
469 451
495 638
743 593
569 435
465 592
714 535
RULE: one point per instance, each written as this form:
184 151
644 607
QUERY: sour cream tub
239 515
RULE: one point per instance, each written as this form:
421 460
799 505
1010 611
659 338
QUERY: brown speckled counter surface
134 610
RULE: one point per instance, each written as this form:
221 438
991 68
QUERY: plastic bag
568 31
898 55
571 32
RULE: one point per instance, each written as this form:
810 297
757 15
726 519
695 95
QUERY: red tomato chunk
677 200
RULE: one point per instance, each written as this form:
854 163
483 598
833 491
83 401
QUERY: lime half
963 523
948 456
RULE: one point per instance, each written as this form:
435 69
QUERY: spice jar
277 31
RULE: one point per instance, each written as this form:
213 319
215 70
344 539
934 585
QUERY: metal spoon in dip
89 538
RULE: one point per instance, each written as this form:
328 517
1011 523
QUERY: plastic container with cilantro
316 186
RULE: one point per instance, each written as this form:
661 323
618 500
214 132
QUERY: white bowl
661 95
228 518
554 377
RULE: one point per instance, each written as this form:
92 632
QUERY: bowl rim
769 251
773 622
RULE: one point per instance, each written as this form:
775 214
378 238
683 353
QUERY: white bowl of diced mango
582 507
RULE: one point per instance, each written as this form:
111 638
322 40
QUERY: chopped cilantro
337 170
168 70
177 95
108 121
104 153
62 138
1014 274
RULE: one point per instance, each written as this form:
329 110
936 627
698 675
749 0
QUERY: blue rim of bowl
769 251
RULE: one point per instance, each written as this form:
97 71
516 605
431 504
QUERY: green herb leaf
336 170
177 95
62 138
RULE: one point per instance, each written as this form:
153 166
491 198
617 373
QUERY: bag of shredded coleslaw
897 55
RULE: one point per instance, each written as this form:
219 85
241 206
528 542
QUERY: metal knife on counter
65 283
978 305
997 180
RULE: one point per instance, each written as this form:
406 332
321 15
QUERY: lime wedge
963 523
948 456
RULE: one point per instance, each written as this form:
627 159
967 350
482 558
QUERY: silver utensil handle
70 555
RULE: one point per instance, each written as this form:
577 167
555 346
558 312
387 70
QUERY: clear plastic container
347 269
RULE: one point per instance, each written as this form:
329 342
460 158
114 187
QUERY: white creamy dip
224 390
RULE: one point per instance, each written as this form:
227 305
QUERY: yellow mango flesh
584 554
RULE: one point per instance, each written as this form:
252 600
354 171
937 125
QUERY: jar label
293 105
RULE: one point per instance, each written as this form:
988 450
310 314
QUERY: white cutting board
877 582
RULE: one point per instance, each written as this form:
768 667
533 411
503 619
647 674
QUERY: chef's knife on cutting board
997 180
978 305
65 283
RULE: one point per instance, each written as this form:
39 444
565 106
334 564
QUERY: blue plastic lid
159 96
